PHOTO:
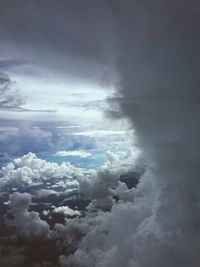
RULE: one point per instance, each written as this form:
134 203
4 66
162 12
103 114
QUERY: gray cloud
70 36
28 223
10 98
6 64
157 59
158 64
98 188
22 137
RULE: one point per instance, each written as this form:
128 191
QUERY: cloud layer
158 65
156 48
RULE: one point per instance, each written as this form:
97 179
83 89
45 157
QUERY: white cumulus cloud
30 169
66 211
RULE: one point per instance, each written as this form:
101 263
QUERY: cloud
112 157
13 256
31 170
159 93
46 192
66 211
6 64
10 98
99 189
93 133
20 138
78 35
123 160
156 46
74 153
27 223
101 104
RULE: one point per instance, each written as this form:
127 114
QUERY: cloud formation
10 98
66 211
31 170
158 66
78 34
75 153
157 48
28 224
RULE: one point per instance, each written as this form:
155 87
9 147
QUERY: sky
56 81
99 133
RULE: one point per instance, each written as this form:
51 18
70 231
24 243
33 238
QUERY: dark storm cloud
6 64
158 64
67 35
42 22
157 48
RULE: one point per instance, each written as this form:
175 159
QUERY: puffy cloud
27 223
30 169
66 211
74 153
103 188
69 235
108 240
122 161
18 137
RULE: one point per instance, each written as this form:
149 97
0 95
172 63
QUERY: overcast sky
57 65
93 92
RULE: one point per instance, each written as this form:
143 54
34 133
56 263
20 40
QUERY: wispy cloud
74 153
11 99
94 133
